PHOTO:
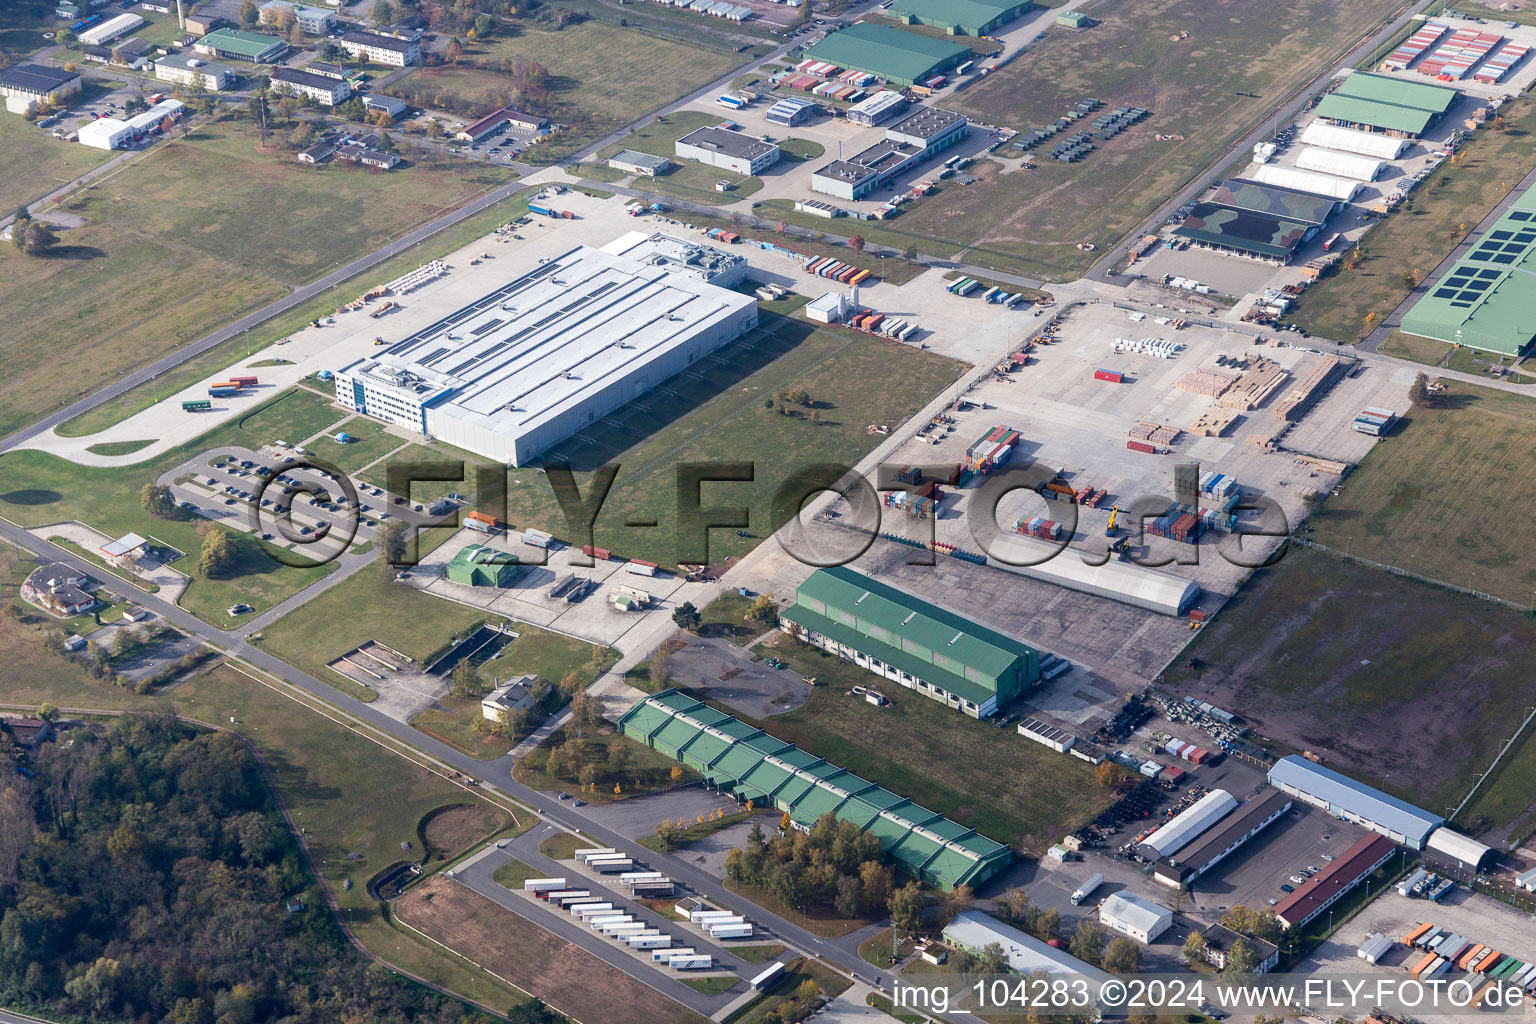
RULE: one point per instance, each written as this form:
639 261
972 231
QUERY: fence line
1400 571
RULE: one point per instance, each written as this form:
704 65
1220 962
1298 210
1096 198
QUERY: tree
302 136
782 226
686 616
958 900
661 665
33 237
283 19
1088 941
393 542
1122 956
1106 774
667 835
906 906
48 712
157 500
1240 958
218 556
993 959
484 26
849 902
910 255
68 39
856 243
877 880
454 53
1420 393
466 681
249 15
383 13
675 776
763 609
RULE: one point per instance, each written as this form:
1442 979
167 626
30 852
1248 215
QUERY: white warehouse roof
1194 820
1347 140
1139 914
1460 848
973 929
1345 165
1307 181
1345 793
1119 581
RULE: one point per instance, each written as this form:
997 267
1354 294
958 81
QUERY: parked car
1287 889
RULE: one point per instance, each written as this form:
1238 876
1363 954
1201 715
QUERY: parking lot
738 677
404 690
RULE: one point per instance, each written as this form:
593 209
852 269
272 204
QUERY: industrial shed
1485 300
1345 165
1457 848
974 930
1339 189
1387 104
1229 834
1244 232
960 17
1328 886
901 58
1187 826
749 764
1284 203
1119 581
1129 914
1347 140
945 656
1345 798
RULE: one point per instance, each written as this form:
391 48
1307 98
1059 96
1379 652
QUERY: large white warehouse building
1129 914
1345 798
522 368
1341 189
1347 140
1119 581
1188 826
1345 165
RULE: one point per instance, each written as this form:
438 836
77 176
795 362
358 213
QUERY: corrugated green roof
886 51
964 13
741 759
1389 116
234 40
1401 92
1488 299
908 663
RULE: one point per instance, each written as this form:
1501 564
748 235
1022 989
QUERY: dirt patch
531 958
447 830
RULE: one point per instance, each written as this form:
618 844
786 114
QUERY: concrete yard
1475 916
738 677
404 690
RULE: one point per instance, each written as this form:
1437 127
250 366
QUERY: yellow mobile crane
1114 515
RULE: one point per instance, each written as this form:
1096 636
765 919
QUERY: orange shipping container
1418 933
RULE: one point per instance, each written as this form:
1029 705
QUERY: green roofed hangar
960 17
748 763
941 655
477 566
1382 103
1488 299
901 58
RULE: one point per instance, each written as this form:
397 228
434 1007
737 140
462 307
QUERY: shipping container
730 931
640 567
596 552
611 867
700 916
584 855
244 382
196 405
644 941
769 977
631 877
1418 933
1086 889
1113 376
663 955
542 884
585 910
1141 446
860 276
698 962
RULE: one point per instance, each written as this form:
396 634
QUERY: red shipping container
1196 615
1113 376
244 382
1141 446
596 552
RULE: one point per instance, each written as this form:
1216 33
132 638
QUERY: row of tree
835 865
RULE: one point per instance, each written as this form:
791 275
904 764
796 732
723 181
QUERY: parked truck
1085 890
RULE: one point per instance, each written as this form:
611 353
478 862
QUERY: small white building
125 551
105 133
382 49
314 21
1131 915
633 162
183 69
516 695
113 28
727 149
829 308
388 104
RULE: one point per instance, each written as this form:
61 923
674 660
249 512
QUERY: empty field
201 230
35 160
532 958
716 412
600 78
1370 670
370 442
1441 496
1033 220
1411 242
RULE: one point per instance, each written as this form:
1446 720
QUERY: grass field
1032 220
1441 496
1322 653
645 770
1438 354
242 345
195 233
35 160
723 418
601 77
1421 232
1006 788
1508 801
532 958
717 985
370 442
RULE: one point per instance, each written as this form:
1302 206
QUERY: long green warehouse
900 57
960 17
748 763
945 656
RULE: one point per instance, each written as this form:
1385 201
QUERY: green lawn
802 149
563 845
698 830
718 985
514 873
1195 87
1325 654
35 160
726 616
258 579
1508 801
1006 788
119 447
370 442
757 954
1421 232
601 77
1438 354
1428 497
184 239
242 345
294 416
722 418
